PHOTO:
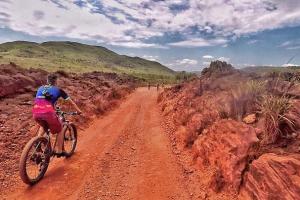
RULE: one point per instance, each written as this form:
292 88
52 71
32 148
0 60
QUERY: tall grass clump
245 99
274 110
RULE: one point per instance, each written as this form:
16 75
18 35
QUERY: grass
261 97
79 58
255 97
244 100
264 70
274 109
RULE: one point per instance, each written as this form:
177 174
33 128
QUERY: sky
181 34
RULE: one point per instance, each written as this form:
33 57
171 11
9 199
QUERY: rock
217 181
133 148
218 68
250 119
273 176
225 147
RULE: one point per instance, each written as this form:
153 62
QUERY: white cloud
137 44
44 18
293 47
187 61
243 65
225 59
206 63
225 45
73 22
149 57
199 42
252 42
290 65
208 57
285 44
131 22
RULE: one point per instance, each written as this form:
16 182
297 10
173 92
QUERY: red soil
133 152
96 93
227 152
122 155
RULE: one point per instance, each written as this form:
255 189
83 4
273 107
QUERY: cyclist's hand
79 112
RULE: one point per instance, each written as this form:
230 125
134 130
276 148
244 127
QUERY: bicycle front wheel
34 160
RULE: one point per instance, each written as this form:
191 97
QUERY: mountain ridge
78 57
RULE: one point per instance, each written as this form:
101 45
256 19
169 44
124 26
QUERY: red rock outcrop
218 68
225 146
14 79
206 115
273 177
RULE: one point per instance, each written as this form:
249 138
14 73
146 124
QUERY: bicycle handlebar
70 113
66 113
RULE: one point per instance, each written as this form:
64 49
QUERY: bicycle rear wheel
70 140
34 160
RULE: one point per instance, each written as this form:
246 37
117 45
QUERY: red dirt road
124 155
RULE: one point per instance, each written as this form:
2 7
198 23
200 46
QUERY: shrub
274 110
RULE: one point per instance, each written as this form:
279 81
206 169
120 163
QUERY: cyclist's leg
60 140
55 127
41 131
40 119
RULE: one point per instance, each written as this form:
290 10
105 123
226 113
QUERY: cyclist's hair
51 79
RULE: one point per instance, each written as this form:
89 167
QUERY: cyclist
44 110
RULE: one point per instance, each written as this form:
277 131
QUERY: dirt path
124 155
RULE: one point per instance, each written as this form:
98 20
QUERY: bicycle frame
65 123
38 151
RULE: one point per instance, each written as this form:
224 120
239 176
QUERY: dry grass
244 99
274 110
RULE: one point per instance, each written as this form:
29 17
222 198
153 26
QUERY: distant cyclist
44 112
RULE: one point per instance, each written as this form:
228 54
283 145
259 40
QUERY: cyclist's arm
65 96
75 105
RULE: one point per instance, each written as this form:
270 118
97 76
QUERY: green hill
269 69
76 57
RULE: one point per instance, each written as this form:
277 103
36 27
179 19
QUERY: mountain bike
36 155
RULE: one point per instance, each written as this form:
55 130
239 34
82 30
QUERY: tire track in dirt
124 155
